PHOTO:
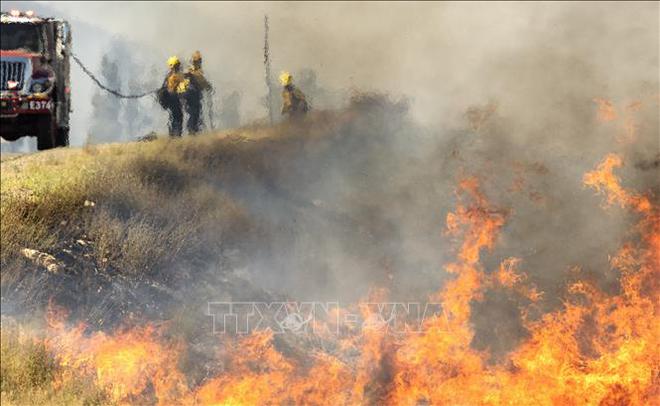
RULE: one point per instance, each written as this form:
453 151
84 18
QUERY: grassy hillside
135 209
318 210
141 216
152 230
140 223
333 205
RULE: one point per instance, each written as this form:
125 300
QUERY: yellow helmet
173 61
286 78
196 56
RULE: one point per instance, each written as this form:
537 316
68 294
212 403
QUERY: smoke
443 56
527 76
501 90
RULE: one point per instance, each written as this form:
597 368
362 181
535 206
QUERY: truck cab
35 97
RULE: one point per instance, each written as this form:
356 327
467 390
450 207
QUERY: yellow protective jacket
293 101
176 83
197 79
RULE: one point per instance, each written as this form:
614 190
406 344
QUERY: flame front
598 349
127 364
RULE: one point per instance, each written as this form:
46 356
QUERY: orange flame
604 180
606 111
597 349
126 364
628 129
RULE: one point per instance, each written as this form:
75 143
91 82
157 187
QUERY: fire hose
107 89
134 96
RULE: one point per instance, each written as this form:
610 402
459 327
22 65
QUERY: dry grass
141 206
158 208
30 374
160 213
141 210
136 211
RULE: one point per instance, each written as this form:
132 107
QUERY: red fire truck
35 97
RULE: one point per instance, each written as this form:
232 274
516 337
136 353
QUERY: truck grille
14 71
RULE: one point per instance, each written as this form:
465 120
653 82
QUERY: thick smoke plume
526 97
443 56
507 91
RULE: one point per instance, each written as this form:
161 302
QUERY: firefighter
169 96
294 103
198 85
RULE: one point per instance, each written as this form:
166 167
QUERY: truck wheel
62 137
46 133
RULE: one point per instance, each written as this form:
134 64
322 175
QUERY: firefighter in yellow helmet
198 85
169 96
294 103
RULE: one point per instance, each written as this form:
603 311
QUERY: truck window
20 36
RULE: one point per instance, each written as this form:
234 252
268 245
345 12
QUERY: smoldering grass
30 374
